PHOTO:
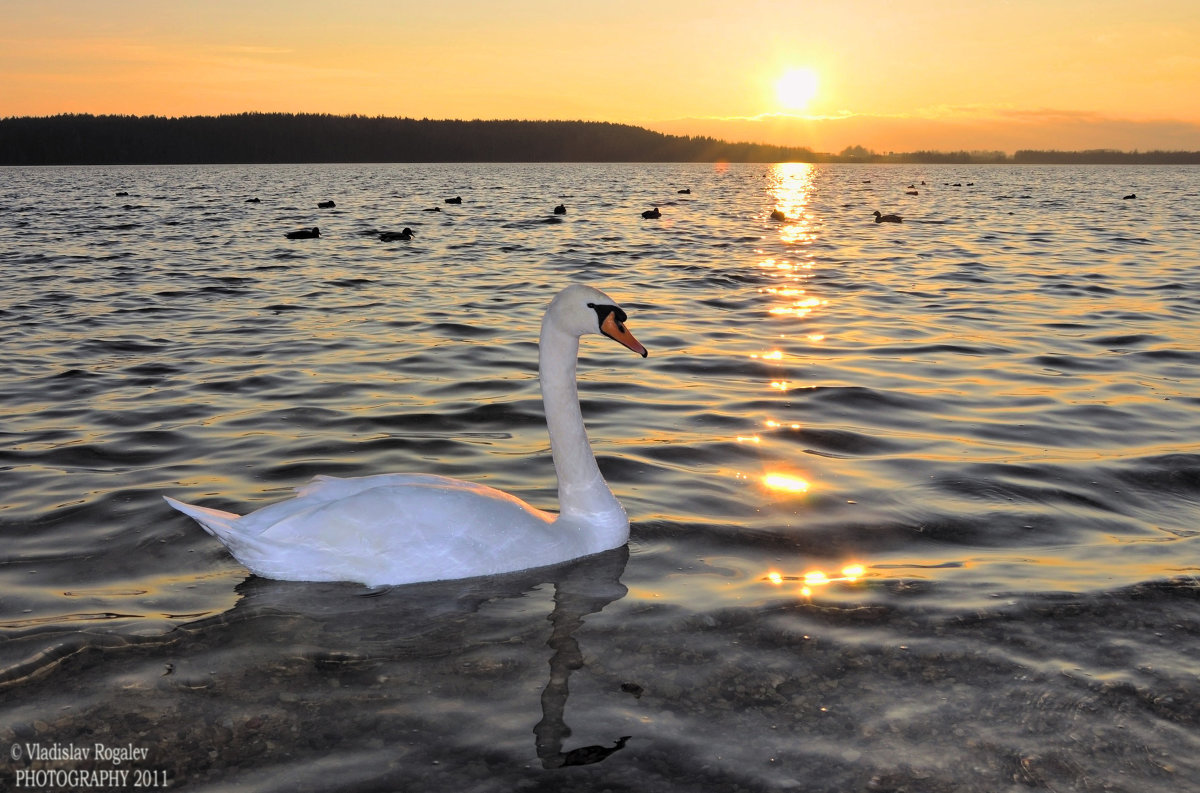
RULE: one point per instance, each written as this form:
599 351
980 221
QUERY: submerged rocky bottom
558 681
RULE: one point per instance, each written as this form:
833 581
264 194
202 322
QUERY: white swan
403 528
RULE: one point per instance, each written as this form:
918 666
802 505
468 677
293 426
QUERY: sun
796 88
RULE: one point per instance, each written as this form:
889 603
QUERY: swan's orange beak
617 332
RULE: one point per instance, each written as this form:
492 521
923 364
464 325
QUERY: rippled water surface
914 506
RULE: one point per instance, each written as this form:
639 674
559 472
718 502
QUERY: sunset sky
889 76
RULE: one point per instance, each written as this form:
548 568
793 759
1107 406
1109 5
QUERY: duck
887 218
325 205
685 191
1131 195
304 234
397 236
651 214
456 200
778 215
402 528
561 209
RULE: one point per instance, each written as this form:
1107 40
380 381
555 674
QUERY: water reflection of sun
786 483
817 578
790 189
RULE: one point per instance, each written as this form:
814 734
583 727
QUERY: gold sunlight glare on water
790 190
785 482
818 578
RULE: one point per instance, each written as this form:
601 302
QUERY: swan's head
580 310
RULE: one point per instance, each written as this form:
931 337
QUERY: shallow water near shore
914 506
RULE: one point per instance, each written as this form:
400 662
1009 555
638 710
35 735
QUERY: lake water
915 507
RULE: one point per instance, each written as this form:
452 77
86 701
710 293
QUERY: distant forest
298 138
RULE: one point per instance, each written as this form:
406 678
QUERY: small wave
123 346
860 398
1185 356
251 384
457 330
846 443
1073 363
75 374
1125 340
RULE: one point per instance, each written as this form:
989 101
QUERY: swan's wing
392 508
330 488
391 529
323 490
395 530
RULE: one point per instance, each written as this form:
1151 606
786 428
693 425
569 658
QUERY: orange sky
891 76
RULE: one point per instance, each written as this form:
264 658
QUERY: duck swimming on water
887 218
304 234
397 236
651 214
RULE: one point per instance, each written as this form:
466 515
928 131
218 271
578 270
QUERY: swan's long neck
583 495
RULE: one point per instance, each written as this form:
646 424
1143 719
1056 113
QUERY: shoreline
278 138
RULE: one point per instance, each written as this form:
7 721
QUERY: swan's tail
217 523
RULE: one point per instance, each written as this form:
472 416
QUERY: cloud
241 49
948 129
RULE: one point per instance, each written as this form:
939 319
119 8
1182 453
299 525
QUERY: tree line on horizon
80 139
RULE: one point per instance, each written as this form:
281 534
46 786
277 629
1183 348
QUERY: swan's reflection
581 591
359 634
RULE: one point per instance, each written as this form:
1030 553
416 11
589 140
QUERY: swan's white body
403 528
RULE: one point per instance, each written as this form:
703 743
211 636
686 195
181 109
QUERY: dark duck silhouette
325 205
778 215
1131 195
397 236
685 191
561 209
887 218
650 214
304 234
456 200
